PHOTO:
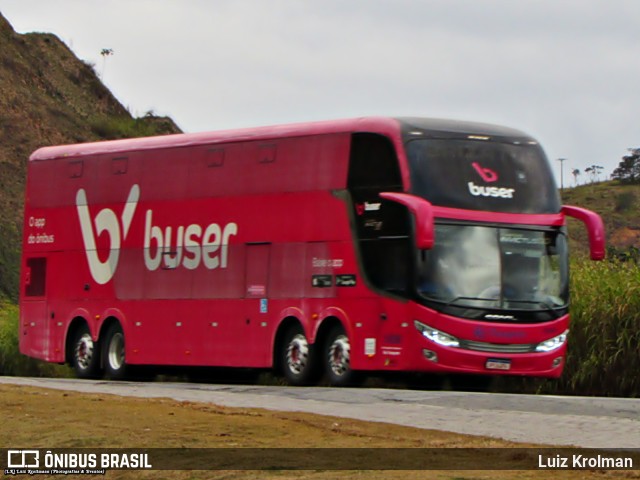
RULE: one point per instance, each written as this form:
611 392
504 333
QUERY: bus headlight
436 336
553 343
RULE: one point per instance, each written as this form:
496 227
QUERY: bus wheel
298 360
338 358
113 359
86 356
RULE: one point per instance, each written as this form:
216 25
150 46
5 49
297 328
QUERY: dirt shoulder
54 419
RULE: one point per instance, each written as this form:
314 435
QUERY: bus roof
393 127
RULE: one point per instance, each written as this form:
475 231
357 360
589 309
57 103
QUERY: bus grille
498 347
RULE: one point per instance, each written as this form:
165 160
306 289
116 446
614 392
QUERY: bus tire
298 359
113 357
337 356
85 357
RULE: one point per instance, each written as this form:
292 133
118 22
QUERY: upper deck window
483 174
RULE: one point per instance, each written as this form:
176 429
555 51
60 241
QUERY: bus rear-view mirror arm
595 229
422 211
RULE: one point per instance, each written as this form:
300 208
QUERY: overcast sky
565 71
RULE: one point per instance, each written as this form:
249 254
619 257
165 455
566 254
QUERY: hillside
48 96
618 205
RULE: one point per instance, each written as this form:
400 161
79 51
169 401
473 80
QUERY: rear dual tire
301 365
337 356
113 353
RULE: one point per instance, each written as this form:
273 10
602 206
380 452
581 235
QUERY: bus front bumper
440 352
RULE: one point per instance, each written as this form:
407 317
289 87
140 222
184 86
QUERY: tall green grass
604 341
11 361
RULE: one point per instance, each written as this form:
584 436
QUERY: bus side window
373 164
35 277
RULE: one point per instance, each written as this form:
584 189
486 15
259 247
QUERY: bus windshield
495 268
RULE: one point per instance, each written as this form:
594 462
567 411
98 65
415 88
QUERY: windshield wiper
554 311
451 302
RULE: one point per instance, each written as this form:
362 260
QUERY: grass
605 330
13 363
112 128
53 419
616 203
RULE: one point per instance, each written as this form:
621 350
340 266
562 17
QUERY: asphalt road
576 421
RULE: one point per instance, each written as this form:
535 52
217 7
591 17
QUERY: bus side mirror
422 211
595 229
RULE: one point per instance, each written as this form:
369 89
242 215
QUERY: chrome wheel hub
298 354
84 351
339 355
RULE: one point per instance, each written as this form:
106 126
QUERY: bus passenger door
383 232
255 325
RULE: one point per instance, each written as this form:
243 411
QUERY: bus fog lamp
556 362
436 335
553 343
430 355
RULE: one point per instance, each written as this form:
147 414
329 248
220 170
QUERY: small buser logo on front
487 174
105 221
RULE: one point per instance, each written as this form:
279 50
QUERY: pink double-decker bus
327 248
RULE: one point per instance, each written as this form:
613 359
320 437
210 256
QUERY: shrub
12 362
625 201
113 128
603 356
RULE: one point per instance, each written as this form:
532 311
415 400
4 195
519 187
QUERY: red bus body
205 249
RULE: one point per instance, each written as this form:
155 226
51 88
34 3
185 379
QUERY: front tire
113 353
85 357
298 362
338 358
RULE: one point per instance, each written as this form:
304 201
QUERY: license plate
498 364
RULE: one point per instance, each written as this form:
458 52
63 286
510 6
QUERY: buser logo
106 220
189 247
489 176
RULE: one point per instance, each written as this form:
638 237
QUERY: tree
594 172
628 170
105 52
576 173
